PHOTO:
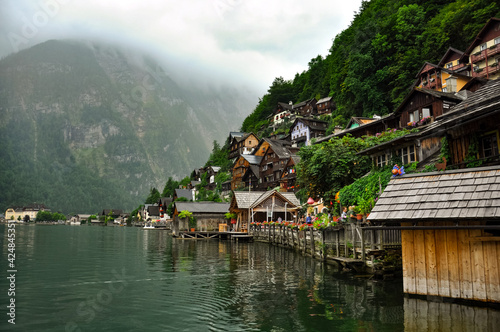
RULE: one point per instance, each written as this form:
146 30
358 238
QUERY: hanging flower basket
233 221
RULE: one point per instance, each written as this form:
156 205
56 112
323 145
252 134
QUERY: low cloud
250 42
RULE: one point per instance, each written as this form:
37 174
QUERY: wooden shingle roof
469 194
203 207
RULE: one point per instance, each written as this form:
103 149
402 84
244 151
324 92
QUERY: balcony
486 71
482 55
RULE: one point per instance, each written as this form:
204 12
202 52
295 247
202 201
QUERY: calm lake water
90 278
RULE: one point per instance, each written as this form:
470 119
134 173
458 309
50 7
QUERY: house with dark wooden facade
283 111
240 167
251 177
273 164
325 106
305 108
288 181
243 145
450 231
483 54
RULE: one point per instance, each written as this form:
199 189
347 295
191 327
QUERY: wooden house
423 104
451 61
483 54
288 181
273 164
240 167
243 145
305 108
163 204
212 172
260 206
437 78
251 177
283 111
325 106
303 130
208 216
450 231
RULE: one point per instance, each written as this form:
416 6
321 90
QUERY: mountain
86 126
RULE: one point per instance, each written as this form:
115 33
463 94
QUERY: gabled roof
324 100
449 54
479 37
252 159
359 120
303 103
469 194
280 150
424 65
186 193
154 210
202 207
311 123
438 94
249 199
244 199
285 106
165 201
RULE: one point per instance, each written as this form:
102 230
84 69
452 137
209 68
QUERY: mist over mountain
86 126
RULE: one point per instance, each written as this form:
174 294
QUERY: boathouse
450 231
260 206
208 215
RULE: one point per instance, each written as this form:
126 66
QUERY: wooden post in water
337 245
313 250
362 246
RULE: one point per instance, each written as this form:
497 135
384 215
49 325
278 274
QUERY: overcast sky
249 40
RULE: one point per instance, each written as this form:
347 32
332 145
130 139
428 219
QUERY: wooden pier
348 244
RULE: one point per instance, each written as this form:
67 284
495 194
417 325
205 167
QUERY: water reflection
168 284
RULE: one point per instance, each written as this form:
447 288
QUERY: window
449 65
482 47
407 154
381 160
489 145
497 40
426 112
414 116
444 90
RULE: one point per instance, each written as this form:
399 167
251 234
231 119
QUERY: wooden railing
347 240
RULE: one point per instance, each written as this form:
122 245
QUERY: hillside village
453 99
445 224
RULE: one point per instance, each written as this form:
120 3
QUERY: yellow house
21 213
484 52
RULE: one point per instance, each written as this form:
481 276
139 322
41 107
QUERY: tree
326 168
154 196
169 189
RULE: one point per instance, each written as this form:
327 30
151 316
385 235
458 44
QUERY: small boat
148 226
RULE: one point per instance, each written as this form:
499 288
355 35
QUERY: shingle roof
245 199
441 196
252 159
202 207
187 193
154 210
323 100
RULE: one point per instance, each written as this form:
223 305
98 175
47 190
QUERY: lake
92 278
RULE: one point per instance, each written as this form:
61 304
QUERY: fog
236 42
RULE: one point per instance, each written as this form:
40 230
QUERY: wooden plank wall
451 263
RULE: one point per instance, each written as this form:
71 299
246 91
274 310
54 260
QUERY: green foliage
373 62
473 153
445 149
49 216
326 168
220 157
169 189
185 214
364 191
154 196
230 215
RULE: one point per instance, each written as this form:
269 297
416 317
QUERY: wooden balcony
486 71
482 55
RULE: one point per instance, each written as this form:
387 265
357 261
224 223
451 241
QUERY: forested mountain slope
373 62
86 126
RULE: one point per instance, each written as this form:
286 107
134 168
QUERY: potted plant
231 216
358 213
188 216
